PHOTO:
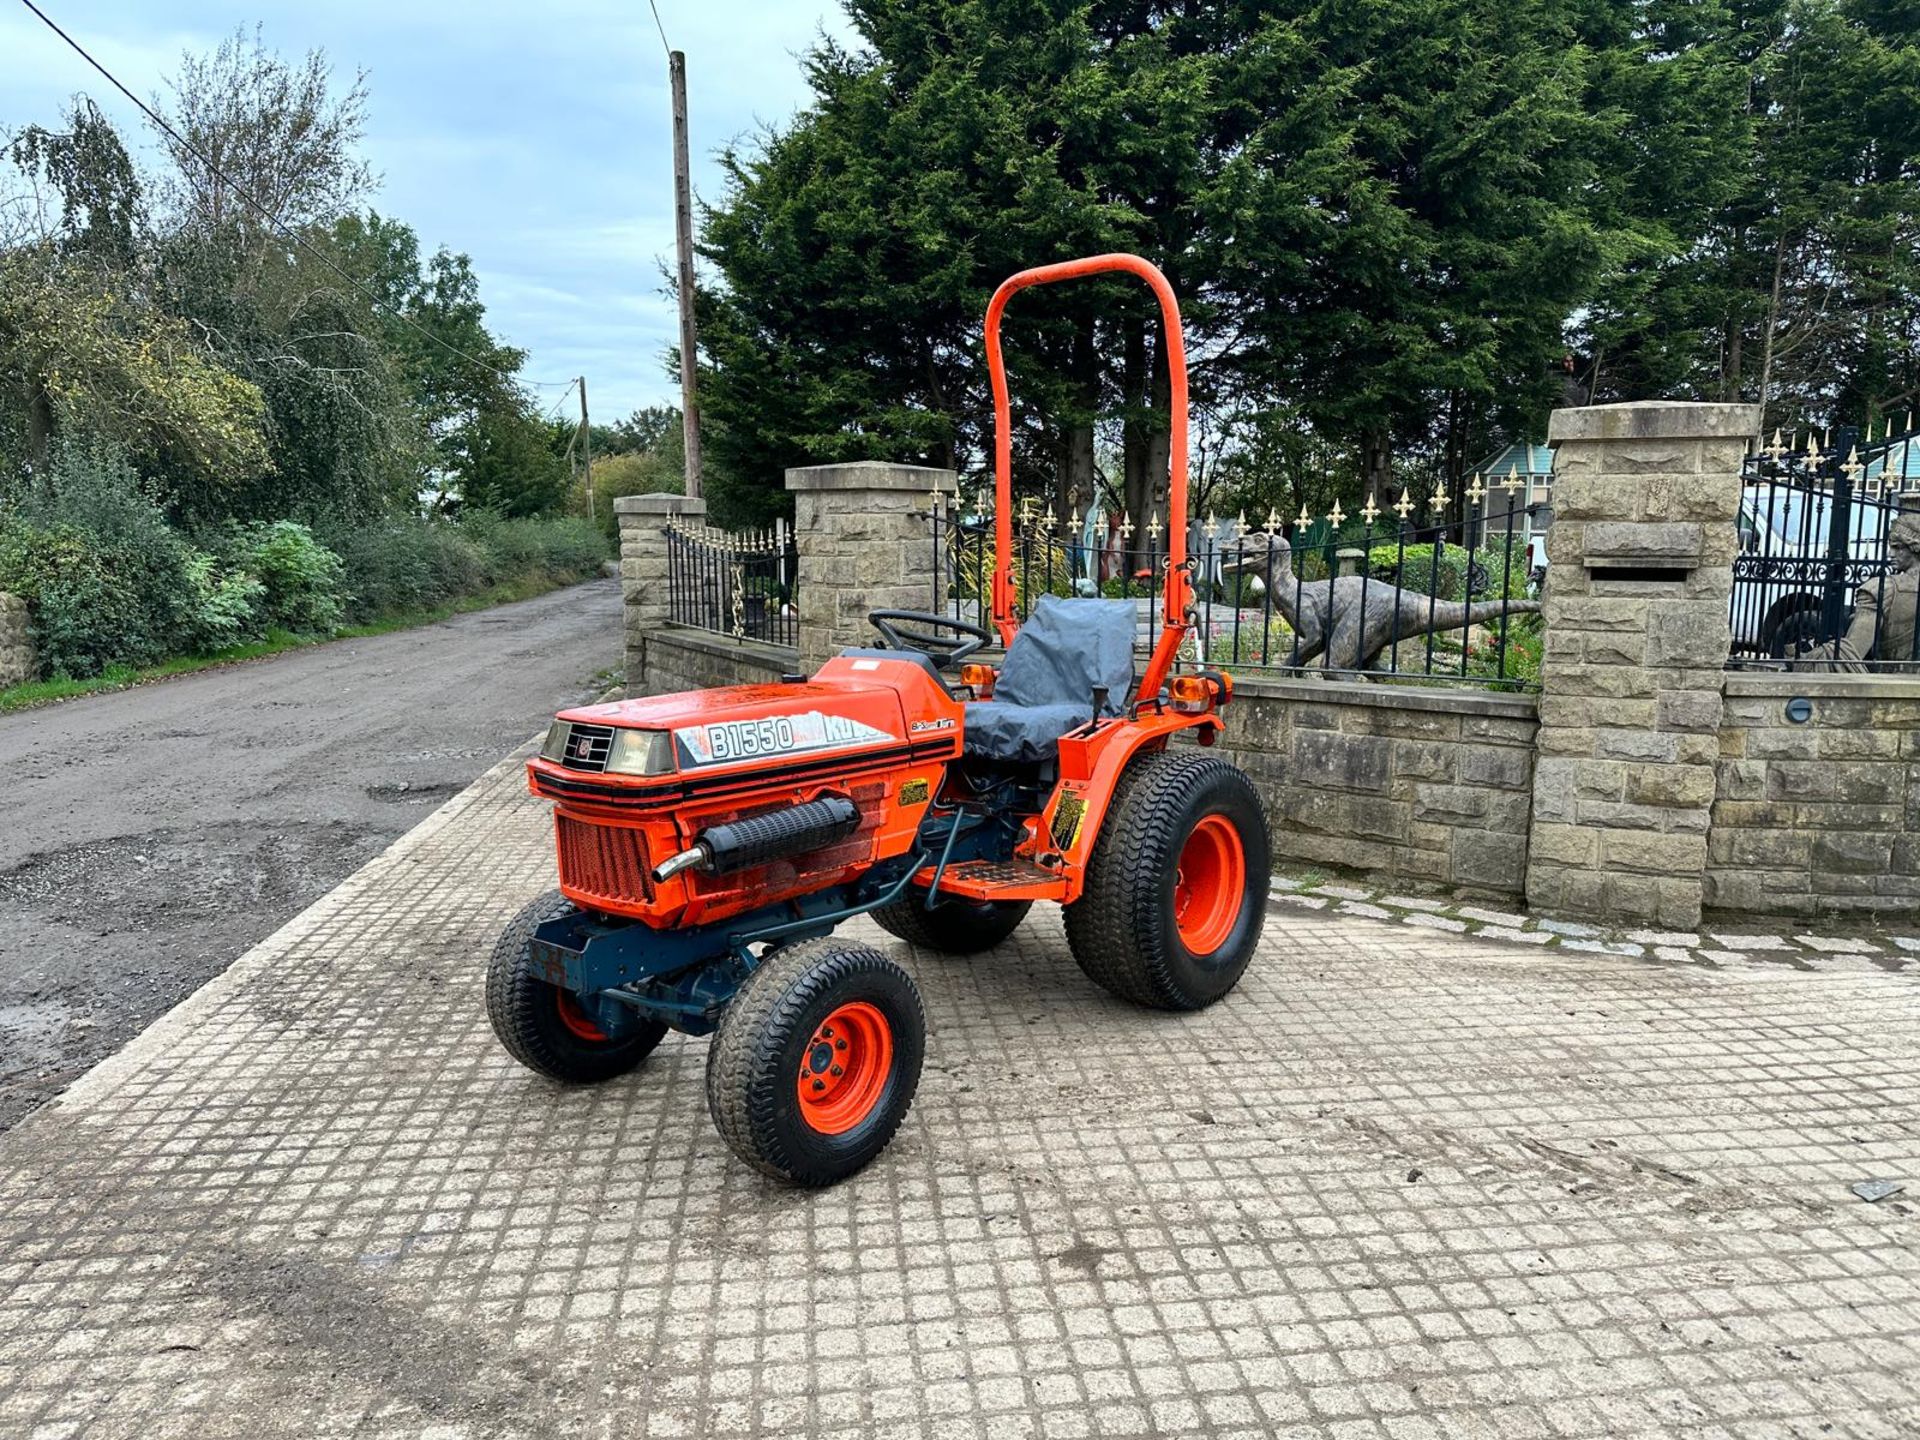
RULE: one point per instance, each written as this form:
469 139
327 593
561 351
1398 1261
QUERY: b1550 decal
725 741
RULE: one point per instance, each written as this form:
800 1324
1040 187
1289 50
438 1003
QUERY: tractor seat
1046 684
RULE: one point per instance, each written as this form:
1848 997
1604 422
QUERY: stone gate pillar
1640 570
643 521
865 544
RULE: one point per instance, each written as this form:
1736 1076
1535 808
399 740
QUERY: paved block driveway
1399 1185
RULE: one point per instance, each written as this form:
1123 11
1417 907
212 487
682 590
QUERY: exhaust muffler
739 844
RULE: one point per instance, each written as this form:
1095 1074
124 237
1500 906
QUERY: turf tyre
531 1018
1124 929
952 927
755 1065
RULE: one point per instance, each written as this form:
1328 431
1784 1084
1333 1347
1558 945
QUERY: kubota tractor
710 842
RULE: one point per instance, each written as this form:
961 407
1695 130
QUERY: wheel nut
819 1084
837 1070
839 1044
828 1032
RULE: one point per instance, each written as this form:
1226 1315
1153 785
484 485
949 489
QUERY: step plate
1001 880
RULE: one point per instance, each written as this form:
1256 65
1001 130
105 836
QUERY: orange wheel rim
845 1068
1209 885
575 1018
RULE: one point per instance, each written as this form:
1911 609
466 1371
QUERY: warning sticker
723 742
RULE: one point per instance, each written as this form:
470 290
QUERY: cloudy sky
534 136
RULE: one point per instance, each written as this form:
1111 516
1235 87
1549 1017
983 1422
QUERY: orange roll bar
1178 597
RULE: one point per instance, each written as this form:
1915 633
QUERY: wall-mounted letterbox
1641 552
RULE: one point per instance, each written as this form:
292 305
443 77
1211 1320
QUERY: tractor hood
760 727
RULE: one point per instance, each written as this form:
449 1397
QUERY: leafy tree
101 199
280 133
507 464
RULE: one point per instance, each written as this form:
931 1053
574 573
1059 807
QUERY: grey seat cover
1046 683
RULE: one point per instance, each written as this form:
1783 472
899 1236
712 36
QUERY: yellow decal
1067 816
914 792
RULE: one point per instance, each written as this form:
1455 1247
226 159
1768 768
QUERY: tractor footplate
1002 880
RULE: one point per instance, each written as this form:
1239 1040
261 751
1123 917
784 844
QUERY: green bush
105 578
558 548
302 582
1447 578
408 564
85 617
226 604
109 582
1417 571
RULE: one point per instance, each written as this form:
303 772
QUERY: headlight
641 752
556 744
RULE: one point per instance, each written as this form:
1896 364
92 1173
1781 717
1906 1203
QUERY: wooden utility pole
586 445
683 226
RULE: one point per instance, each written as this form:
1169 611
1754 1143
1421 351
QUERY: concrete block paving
1404 1183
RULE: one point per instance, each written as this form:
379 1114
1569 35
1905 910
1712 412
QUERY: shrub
388 567
105 578
302 581
85 617
559 548
226 604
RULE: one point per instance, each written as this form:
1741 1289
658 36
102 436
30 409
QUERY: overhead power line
292 235
664 45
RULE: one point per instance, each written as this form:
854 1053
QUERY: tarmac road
151 836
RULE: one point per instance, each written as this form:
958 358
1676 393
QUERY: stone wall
674 657
17 662
1410 783
1817 810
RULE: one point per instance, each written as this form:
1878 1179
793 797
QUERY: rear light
1191 694
979 678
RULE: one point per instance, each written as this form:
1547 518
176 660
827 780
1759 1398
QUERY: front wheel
816 1060
1176 890
546 1028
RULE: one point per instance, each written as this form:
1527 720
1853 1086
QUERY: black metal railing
1816 583
743 585
1371 595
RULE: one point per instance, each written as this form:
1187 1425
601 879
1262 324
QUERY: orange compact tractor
711 842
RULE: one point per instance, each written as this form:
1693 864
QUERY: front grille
607 861
587 747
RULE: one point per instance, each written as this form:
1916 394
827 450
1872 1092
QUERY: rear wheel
1176 887
816 1060
952 927
546 1028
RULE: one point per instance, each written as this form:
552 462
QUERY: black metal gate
1814 520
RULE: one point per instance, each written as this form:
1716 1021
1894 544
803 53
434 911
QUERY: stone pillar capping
865 544
643 521
1640 572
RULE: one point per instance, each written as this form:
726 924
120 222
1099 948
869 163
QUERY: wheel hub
1210 884
845 1069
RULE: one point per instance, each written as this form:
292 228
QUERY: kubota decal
723 742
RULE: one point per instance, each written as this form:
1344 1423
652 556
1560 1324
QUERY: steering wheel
922 630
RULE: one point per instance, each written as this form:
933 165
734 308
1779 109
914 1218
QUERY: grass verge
122 677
